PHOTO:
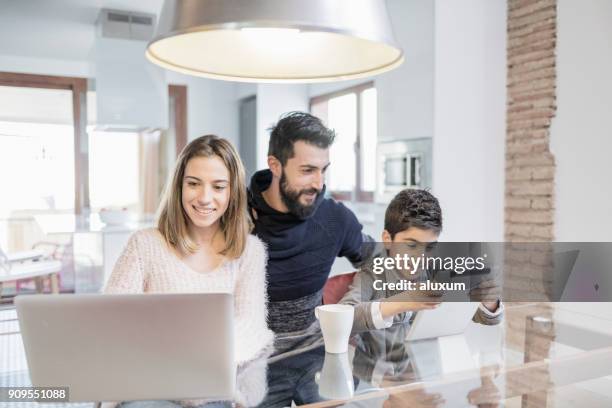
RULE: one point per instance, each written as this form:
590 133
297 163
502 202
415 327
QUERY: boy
412 219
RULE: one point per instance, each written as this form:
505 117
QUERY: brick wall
530 172
530 166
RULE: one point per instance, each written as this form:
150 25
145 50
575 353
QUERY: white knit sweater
148 265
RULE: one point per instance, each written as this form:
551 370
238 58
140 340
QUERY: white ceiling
62 29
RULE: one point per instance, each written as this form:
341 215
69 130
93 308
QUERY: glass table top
540 355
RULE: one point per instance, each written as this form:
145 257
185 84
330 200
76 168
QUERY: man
303 230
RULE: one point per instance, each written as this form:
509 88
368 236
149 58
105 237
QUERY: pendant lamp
287 41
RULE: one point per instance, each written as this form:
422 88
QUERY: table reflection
533 353
335 380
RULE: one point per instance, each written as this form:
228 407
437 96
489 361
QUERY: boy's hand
488 395
410 301
488 292
419 296
390 309
415 399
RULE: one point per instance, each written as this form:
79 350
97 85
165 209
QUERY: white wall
212 109
212 106
272 101
244 90
581 133
406 95
48 66
495 118
329 87
469 117
130 91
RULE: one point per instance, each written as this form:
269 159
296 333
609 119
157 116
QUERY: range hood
131 93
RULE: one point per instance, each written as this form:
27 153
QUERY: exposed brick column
530 166
530 172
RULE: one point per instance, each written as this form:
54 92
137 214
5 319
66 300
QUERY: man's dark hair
413 208
294 126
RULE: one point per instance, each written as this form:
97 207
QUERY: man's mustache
310 191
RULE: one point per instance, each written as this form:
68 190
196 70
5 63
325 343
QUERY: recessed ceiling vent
127 25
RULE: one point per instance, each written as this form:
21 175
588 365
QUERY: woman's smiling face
206 191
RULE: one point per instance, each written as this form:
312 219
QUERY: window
41 110
36 150
36 160
352 113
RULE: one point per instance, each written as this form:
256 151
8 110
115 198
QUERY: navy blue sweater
302 251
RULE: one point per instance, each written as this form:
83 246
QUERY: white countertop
71 223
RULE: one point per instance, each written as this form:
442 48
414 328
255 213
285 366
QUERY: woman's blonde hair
235 222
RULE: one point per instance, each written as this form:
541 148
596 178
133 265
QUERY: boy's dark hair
413 208
294 126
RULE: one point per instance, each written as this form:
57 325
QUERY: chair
28 265
336 287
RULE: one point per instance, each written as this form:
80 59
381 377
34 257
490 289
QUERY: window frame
357 194
78 86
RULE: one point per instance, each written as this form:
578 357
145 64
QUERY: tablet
447 319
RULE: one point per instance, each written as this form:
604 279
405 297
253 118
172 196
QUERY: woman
202 244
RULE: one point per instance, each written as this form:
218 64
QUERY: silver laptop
130 347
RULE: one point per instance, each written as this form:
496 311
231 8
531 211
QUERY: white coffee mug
336 322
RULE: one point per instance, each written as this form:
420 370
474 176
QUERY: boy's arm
367 313
486 317
371 314
491 309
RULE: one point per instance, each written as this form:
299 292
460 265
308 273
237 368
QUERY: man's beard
291 199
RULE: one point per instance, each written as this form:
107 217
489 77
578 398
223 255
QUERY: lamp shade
275 40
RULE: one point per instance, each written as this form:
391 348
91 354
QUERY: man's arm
356 246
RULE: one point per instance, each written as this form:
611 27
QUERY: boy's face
413 242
